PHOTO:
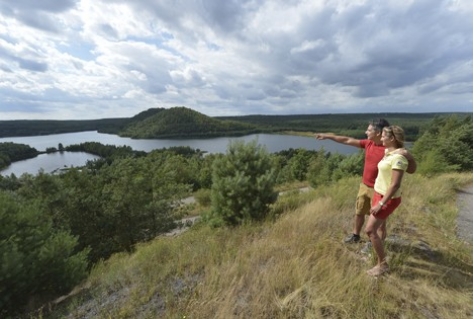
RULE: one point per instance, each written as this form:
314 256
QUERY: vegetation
38 260
296 266
343 124
12 152
446 146
182 122
242 185
285 259
47 127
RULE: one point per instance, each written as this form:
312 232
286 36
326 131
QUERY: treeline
12 152
48 127
343 124
56 227
182 122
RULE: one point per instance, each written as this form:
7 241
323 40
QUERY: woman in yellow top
387 192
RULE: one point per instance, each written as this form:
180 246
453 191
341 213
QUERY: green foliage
203 197
46 127
298 164
345 166
294 164
108 152
11 152
84 214
9 183
446 146
243 182
204 170
130 201
115 206
37 261
341 124
184 122
319 171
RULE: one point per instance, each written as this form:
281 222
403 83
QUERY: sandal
378 270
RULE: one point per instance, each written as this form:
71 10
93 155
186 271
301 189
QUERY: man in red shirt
374 152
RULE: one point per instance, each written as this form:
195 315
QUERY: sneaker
367 249
352 239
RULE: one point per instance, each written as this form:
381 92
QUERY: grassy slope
297 266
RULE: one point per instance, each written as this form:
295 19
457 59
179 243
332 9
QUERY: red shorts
389 206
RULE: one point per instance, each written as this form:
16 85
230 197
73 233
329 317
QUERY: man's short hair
379 124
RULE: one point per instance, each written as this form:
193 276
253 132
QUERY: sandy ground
465 227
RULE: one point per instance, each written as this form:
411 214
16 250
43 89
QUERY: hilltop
181 122
296 266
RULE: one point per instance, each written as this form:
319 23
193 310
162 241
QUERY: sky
94 59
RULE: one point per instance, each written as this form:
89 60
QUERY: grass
295 266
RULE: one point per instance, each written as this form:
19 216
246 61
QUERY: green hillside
294 267
182 122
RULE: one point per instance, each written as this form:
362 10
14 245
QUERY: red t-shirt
373 155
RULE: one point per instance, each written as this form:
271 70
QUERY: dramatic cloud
89 59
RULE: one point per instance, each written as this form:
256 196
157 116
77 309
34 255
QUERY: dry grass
296 266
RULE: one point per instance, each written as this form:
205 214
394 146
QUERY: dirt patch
464 221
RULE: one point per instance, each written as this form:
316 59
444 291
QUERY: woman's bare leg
371 229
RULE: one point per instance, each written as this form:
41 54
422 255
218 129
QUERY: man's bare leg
358 223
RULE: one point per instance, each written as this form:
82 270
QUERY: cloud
109 58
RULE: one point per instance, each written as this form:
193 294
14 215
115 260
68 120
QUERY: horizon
244 115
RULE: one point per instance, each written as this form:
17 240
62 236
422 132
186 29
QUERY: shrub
203 197
242 184
318 171
446 146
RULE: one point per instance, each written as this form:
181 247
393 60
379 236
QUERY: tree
130 201
299 163
37 261
319 172
242 184
349 165
445 146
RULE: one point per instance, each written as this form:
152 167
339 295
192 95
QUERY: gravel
464 221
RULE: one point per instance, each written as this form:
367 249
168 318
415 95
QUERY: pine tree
242 184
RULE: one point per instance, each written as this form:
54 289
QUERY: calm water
52 162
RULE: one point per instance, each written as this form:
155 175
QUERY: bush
318 171
242 184
203 197
446 146
37 262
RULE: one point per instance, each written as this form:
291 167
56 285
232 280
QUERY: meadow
294 265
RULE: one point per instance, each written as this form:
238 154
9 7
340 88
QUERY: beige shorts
364 199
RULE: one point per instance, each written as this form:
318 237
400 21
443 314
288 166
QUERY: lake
54 161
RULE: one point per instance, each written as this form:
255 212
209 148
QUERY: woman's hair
397 133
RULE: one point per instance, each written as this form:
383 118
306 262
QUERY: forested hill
183 122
